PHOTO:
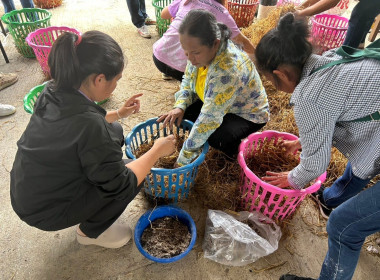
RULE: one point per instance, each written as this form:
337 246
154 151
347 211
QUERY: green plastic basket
161 24
31 98
22 22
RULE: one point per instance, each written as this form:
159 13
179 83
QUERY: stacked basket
168 185
257 195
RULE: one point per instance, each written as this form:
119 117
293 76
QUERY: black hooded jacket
67 148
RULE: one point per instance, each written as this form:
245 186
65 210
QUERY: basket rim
28 38
26 99
164 171
314 20
20 11
176 210
248 172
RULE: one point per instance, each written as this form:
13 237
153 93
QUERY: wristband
117 112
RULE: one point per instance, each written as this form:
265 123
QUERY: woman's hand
162 147
175 116
165 146
131 106
291 146
277 179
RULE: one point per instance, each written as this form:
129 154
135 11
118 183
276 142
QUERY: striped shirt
324 104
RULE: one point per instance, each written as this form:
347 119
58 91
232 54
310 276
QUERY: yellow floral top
232 86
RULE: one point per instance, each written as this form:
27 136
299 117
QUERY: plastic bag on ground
239 238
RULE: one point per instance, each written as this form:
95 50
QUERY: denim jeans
9 5
347 227
138 13
361 19
345 187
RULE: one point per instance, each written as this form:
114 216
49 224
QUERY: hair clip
79 39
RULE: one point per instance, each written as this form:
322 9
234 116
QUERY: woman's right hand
174 116
291 146
165 146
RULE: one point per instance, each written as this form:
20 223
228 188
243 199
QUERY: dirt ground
28 253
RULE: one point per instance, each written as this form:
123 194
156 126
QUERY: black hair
286 44
203 25
71 63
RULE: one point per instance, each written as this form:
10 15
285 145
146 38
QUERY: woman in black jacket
68 168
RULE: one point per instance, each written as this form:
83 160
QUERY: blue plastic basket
160 212
170 185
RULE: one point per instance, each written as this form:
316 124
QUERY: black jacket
67 148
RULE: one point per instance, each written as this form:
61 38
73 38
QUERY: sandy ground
28 253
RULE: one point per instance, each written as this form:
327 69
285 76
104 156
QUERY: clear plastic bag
239 238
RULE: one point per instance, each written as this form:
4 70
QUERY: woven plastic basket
161 212
263 197
31 97
22 22
328 31
167 185
242 11
42 41
161 24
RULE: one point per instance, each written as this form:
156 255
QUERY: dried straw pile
260 27
271 157
164 162
218 180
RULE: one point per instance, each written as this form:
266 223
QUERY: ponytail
203 25
225 32
72 59
286 44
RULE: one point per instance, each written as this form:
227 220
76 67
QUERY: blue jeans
345 187
361 19
347 227
138 13
9 5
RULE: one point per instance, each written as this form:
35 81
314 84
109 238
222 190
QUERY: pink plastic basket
260 196
328 31
42 40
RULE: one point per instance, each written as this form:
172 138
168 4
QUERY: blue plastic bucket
172 185
160 212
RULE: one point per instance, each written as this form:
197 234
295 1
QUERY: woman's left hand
174 117
131 106
277 179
